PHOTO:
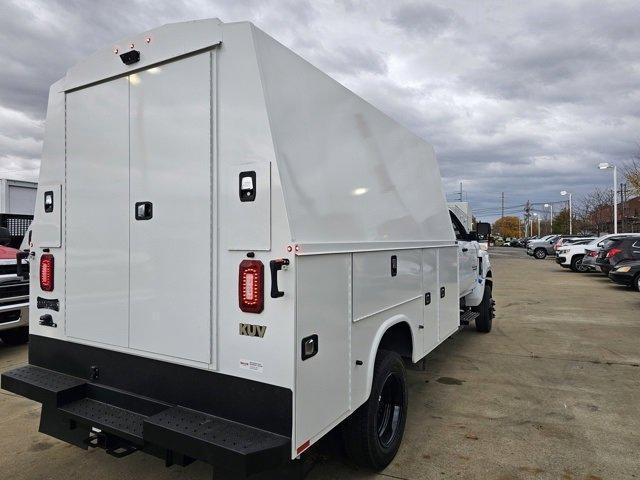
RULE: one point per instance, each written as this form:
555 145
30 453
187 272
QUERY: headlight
623 269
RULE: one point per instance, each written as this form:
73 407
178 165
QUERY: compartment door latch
144 210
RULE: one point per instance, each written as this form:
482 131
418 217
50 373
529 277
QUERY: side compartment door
449 300
322 316
431 295
170 211
97 220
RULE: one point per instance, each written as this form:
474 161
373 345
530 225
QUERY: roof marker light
132 46
148 39
115 51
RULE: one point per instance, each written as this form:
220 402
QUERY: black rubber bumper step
118 421
43 386
121 419
217 440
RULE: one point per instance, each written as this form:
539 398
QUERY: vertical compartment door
170 210
431 292
448 294
97 214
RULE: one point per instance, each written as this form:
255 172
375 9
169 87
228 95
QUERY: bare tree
594 211
632 174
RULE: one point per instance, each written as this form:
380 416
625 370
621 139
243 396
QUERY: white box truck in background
232 255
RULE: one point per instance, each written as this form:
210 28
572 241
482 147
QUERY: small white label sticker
251 365
247 183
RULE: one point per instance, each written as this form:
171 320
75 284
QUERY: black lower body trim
93 397
259 405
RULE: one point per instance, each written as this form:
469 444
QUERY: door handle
274 266
144 210
465 249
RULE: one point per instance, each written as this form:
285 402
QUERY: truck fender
384 327
474 298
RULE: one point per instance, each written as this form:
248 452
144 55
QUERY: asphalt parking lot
552 393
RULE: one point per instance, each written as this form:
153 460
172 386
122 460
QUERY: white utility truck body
230 235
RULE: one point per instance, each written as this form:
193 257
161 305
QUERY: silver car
542 247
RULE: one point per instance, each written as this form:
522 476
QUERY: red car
14 300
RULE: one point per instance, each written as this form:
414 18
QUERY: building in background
628 216
17 196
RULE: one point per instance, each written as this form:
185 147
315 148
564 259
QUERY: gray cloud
515 97
423 18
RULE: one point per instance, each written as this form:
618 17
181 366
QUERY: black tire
486 310
373 433
636 282
15 336
540 253
576 264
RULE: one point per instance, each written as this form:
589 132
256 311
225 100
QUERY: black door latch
274 266
144 210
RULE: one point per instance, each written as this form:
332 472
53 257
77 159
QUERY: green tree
561 222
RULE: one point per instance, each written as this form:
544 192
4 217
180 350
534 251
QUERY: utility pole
623 200
527 216
502 204
461 191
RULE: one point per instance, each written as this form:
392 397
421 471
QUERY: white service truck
233 254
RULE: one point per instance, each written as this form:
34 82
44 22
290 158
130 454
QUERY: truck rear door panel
170 259
97 222
142 278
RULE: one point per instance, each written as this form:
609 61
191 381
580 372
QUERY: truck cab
468 250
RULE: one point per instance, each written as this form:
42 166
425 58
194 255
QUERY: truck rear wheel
15 336
373 433
486 311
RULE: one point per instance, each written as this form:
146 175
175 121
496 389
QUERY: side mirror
472 237
5 236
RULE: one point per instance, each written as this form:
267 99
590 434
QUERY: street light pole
563 193
604 166
615 199
550 207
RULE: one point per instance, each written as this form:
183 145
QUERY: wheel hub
390 410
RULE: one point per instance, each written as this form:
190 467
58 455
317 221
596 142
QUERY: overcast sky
525 98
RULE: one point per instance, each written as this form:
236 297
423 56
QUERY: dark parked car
618 250
627 273
517 243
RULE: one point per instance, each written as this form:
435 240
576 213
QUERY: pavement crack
392 476
564 359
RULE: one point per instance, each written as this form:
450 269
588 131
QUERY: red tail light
251 286
613 252
592 254
46 272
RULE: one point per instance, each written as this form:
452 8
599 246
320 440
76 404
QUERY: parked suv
572 255
542 247
617 250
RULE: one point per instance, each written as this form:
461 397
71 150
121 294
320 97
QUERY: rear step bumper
92 415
